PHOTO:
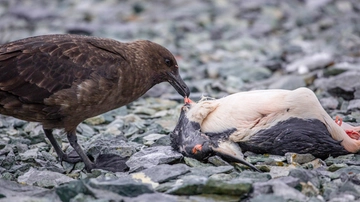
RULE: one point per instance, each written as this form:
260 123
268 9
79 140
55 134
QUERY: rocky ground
222 47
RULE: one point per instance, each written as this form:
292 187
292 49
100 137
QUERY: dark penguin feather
295 135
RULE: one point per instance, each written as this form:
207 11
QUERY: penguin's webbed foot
351 131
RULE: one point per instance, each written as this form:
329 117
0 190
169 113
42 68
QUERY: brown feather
60 80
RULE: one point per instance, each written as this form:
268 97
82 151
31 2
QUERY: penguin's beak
231 152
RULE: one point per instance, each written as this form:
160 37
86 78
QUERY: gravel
222 47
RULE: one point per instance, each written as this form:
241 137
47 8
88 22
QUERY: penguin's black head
188 139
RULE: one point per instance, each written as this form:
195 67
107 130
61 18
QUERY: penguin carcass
262 121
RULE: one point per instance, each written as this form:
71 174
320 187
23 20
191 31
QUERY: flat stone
29 155
289 82
96 120
306 176
47 179
194 163
306 64
217 161
268 198
124 186
231 187
207 171
188 185
152 138
298 158
254 176
277 171
329 102
10 189
156 197
152 156
164 172
354 105
335 167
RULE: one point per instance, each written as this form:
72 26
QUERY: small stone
231 187
335 167
152 156
354 105
308 189
96 120
221 176
268 198
85 130
329 102
342 159
317 163
289 82
152 138
254 176
156 197
194 163
207 171
305 65
163 173
11 189
124 186
188 185
276 171
298 158
217 161
306 176
70 190
144 111
29 155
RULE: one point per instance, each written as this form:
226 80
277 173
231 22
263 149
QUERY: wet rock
45 178
152 156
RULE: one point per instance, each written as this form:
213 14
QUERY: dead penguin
262 121
60 80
